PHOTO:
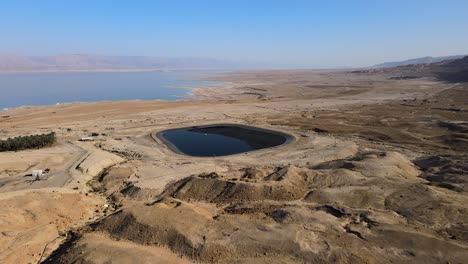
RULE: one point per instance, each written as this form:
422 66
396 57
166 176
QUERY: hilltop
422 60
453 70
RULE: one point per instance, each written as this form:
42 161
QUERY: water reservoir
221 139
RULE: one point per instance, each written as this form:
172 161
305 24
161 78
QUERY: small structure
87 139
37 174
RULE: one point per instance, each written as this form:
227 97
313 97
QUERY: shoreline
195 94
114 70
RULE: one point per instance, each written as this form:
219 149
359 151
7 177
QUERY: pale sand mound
97 161
31 219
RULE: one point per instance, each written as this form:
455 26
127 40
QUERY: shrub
28 142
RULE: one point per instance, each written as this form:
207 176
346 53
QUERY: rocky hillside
455 70
422 60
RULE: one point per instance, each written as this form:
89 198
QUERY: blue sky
285 33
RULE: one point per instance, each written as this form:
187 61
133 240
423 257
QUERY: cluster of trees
28 142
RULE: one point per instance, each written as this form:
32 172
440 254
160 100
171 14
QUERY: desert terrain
377 173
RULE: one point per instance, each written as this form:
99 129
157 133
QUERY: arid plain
377 173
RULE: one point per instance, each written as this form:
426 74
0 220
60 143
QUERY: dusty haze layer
376 174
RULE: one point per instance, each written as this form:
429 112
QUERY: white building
37 173
87 139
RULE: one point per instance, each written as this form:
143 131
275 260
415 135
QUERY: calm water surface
50 88
221 140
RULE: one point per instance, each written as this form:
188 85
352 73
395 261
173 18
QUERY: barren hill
376 174
85 62
455 70
422 60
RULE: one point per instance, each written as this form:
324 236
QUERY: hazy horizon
274 34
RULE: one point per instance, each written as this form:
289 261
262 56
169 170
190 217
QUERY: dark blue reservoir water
221 140
21 89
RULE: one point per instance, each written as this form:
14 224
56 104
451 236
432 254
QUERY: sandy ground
22 163
33 223
377 174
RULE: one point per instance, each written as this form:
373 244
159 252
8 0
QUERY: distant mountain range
84 62
451 70
423 60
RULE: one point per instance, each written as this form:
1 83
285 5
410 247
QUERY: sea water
21 89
